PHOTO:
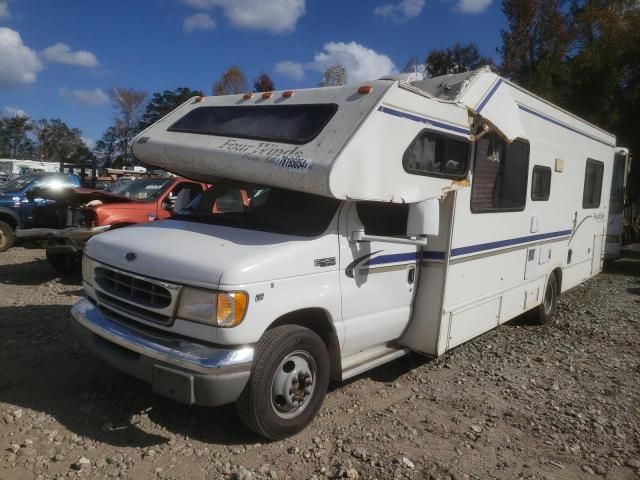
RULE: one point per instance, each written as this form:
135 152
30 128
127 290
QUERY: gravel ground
523 401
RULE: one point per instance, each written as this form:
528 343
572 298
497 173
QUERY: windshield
144 190
267 209
18 183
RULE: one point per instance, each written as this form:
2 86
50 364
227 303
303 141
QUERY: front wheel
7 236
288 382
544 313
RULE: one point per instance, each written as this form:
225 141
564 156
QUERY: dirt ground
535 402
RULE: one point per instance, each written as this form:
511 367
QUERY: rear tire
65 262
7 236
543 314
288 382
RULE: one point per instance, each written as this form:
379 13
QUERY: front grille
121 308
132 289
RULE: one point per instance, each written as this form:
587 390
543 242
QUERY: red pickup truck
65 220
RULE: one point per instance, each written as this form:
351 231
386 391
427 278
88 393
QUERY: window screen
435 154
540 183
383 219
592 184
295 124
500 175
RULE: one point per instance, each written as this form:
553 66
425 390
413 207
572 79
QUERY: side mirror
424 218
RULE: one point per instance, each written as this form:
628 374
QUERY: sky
58 58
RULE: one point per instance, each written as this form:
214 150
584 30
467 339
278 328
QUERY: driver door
377 278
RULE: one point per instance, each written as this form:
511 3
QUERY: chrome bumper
78 234
191 356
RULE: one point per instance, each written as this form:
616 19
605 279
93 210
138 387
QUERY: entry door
377 278
596 260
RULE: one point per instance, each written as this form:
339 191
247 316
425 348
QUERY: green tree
333 76
231 82
56 141
164 102
14 137
263 83
457 59
536 44
107 147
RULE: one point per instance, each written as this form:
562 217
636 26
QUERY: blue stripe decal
432 255
488 97
563 125
505 243
393 258
427 121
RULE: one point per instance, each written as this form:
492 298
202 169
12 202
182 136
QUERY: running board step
361 362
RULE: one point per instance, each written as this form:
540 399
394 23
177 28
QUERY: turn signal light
288 93
231 308
365 89
267 94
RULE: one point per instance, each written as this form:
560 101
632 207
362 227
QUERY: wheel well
8 219
558 273
318 321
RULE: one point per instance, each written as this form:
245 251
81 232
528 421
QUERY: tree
106 148
263 83
535 45
333 76
231 82
413 65
14 137
130 105
55 140
457 59
162 103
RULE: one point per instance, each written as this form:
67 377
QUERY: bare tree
130 105
333 76
263 83
231 82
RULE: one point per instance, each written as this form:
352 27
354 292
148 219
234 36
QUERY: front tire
288 382
7 236
544 312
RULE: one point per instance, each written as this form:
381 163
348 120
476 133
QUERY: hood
209 255
77 195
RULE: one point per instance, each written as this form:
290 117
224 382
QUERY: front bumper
78 234
185 371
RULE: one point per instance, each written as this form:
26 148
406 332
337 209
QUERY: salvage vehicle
391 217
65 219
17 206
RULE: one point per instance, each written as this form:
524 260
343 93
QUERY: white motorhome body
10 167
452 205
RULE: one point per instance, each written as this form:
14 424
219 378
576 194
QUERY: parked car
69 218
17 208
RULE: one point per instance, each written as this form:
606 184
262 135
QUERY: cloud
89 142
472 6
4 10
61 53
199 21
276 16
14 112
362 63
93 98
292 70
401 12
19 64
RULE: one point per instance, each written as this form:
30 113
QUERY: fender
11 213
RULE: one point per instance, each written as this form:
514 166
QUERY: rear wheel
7 236
65 262
288 382
544 313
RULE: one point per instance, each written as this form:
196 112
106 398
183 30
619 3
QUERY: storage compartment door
473 321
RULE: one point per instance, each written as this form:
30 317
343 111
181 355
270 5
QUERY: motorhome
615 222
385 218
10 167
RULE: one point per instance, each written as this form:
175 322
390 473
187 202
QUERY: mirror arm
360 236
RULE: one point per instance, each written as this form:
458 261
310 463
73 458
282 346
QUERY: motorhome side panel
506 253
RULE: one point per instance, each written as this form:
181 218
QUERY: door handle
411 274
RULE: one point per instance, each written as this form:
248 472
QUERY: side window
500 175
438 155
592 184
193 188
383 219
229 202
540 183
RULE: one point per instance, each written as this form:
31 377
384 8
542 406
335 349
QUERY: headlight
87 270
221 309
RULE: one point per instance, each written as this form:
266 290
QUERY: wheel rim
293 385
549 295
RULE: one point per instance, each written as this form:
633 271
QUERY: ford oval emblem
130 256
